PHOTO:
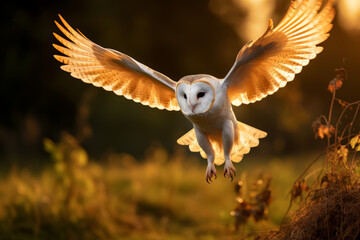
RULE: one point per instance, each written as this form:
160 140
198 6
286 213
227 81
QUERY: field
162 197
79 162
165 196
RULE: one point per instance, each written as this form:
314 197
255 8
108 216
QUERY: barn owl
260 69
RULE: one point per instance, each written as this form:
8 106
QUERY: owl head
195 94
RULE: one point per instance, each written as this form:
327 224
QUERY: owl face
195 97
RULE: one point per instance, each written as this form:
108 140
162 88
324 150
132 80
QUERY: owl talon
210 172
229 170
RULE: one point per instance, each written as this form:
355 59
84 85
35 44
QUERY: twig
309 166
352 122
331 105
330 113
342 114
301 175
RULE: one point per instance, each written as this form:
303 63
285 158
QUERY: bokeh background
176 38
40 101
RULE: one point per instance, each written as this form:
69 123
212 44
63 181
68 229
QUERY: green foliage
163 197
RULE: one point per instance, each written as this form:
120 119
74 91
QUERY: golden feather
264 66
114 71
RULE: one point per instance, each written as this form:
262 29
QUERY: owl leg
205 144
228 141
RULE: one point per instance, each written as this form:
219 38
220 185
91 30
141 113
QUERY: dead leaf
342 153
337 82
316 125
355 141
329 130
343 103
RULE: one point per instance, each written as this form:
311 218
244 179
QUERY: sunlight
258 12
349 14
253 24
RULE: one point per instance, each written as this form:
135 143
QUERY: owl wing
114 71
264 66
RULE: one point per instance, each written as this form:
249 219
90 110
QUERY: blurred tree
174 37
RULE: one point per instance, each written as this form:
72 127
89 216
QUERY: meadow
162 197
165 196
77 162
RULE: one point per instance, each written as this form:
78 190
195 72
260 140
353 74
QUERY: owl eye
185 96
200 94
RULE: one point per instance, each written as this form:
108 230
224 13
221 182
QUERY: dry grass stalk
331 209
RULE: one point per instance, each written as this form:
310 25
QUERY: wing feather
264 66
113 71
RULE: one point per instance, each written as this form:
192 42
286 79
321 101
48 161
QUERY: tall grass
162 197
331 209
166 196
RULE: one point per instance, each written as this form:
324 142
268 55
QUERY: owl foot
229 170
210 172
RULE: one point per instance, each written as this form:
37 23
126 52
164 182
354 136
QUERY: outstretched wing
264 66
114 71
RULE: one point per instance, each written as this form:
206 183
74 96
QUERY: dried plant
253 204
331 208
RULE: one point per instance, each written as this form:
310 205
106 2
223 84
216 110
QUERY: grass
331 209
166 196
162 197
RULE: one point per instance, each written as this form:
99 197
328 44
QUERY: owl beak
192 103
193 107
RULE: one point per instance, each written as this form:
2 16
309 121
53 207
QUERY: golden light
239 199
349 14
257 13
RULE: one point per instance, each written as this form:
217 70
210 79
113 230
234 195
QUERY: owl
260 69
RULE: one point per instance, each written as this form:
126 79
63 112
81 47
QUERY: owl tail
246 138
